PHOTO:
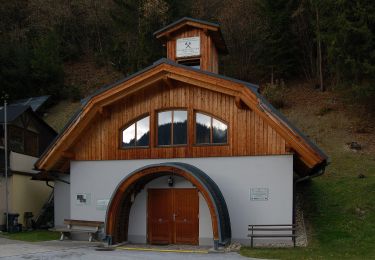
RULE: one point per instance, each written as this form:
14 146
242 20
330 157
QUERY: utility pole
6 162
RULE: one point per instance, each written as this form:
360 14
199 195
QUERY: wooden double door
173 216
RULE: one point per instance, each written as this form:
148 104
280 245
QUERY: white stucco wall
62 200
235 176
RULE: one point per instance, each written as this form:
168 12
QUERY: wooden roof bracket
104 112
68 155
168 81
240 104
289 148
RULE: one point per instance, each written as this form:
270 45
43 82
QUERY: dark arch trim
120 203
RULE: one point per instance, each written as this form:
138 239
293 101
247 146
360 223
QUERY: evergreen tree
279 50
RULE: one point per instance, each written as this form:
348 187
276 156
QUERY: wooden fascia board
171 30
93 108
202 84
165 72
202 26
63 144
97 103
122 93
205 81
307 155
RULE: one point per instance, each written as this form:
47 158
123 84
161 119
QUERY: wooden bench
80 226
273 231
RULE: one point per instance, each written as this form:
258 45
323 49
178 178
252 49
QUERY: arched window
172 127
209 130
137 134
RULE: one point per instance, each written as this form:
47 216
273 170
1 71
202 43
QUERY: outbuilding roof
16 110
34 102
13 112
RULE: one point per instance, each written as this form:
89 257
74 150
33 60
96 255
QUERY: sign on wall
187 47
83 199
259 194
102 204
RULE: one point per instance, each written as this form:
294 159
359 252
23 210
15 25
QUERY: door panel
160 216
173 216
186 222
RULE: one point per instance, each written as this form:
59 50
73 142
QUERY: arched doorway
117 219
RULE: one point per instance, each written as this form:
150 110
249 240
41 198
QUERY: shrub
324 110
275 93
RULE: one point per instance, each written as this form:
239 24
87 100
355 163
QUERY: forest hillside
68 48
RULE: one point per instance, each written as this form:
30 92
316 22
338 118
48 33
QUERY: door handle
174 216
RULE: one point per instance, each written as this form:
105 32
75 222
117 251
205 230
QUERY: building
28 137
178 153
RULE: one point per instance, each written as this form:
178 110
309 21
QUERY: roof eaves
13 112
88 98
254 87
85 101
58 136
34 102
222 48
109 86
183 20
284 120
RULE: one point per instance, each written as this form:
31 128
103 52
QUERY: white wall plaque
102 204
187 47
259 194
83 199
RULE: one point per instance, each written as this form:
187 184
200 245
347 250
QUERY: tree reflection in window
209 130
172 127
137 134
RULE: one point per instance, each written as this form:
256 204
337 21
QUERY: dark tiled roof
84 101
183 20
34 102
13 112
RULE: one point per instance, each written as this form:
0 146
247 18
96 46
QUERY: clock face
188 47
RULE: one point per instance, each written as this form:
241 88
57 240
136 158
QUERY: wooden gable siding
209 56
248 133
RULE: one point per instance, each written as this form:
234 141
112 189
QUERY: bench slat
278 235
275 225
77 230
80 226
272 229
83 222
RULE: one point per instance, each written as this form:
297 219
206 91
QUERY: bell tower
193 43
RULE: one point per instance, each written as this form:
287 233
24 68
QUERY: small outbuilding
179 154
28 136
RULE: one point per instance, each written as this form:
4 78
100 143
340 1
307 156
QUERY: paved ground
11 249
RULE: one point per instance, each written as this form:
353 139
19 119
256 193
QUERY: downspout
60 180
52 187
318 173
